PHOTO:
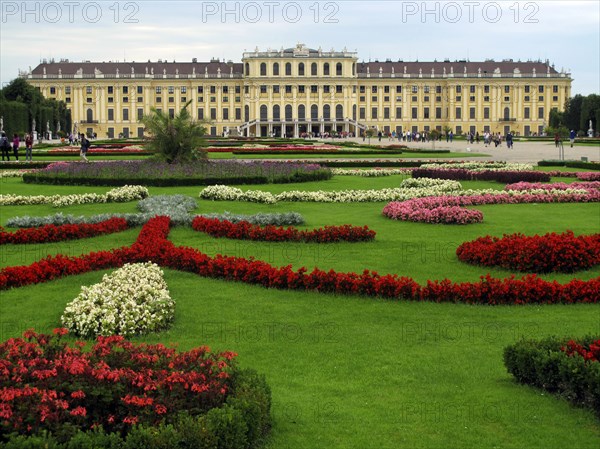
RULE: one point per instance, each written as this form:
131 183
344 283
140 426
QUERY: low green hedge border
542 364
41 178
572 164
242 423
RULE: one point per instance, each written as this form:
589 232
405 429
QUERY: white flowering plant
117 195
410 188
132 300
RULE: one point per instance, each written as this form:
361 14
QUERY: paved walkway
530 152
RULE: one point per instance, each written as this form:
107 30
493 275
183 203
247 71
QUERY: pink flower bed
521 186
444 209
589 176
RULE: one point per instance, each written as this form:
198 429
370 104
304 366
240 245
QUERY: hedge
572 164
40 178
543 364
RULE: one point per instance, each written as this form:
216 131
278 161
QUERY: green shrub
543 364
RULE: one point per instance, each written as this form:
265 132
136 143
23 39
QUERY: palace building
295 91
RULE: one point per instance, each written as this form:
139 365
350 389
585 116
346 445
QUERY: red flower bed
47 384
53 233
152 245
591 352
247 231
563 253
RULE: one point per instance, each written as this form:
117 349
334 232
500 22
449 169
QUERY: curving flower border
244 230
52 233
448 208
153 245
551 252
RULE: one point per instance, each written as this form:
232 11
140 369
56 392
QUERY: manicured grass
353 372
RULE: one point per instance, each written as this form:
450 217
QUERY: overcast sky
567 33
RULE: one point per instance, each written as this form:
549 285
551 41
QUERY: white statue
2 123
33 125
58 126
48 126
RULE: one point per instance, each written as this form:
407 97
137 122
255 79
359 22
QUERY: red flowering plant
53 233
46 384
152 245
563 253
589 352
244 230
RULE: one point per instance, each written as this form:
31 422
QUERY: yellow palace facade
295 91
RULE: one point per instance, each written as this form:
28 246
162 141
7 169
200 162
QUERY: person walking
572 135
509 140
5 146
28 147
85 146
15 145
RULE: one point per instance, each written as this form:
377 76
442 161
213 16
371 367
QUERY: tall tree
590 110
572 114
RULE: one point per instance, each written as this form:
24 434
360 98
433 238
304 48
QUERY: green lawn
353 372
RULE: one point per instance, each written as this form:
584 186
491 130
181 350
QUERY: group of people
5 146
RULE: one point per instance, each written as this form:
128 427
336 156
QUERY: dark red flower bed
589 352
563 253
152 245
47 384
53 233
461 174
247 231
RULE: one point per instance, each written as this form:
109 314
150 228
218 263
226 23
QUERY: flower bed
504 176
480 166
565 367
373 173
52 233
521 186
589 176
408 189
153 173
283 148
132 300
118 195
590 351
247 231
562 253
14 173
152 245
99 151
441 209
53 392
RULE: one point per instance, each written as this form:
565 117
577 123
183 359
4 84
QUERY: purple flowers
132 170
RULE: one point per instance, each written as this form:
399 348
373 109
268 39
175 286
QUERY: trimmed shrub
546 364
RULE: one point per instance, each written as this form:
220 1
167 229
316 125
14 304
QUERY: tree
590 110
175 139
21 103
556 118
370 133
572 114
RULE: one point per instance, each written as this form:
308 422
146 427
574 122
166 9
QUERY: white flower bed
118 195
15 173
130 301
480 166
370 173
410 188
